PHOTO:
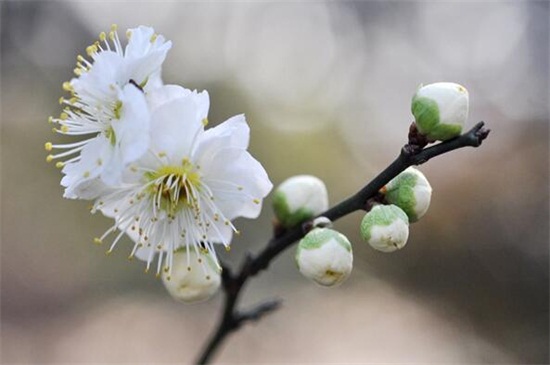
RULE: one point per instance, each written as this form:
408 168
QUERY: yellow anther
238 233
73 100
130 258
79 58
112 35
228 248
168 278
49 158
162 154
146 270
64 129
157 275
67 86
63 116
188 268
108 252
59 165
90 50
48 146
199 260
77 72
61 100
98 241
256 201
86 174
128 34
153 38
205 122
50 119
114 27
102 36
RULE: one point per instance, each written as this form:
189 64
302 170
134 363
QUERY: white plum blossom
325 256
189 186
108 110
440 110
299 198
410 191
194 277
385 228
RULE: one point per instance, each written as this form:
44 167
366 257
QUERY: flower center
174 187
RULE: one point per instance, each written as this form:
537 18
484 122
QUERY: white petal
174 128
238 182
108 69
165 94
144 57
93 158
233 133
132 130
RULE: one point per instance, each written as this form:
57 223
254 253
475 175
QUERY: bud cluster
325 255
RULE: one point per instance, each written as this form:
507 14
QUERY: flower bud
193 277
385 228
299 198
410 191
440 110
324 256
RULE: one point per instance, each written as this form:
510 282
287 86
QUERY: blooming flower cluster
140 151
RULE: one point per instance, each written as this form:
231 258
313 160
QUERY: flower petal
132 130
233 133
238 182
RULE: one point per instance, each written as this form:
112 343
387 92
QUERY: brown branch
412 153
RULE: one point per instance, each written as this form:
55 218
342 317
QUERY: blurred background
326 89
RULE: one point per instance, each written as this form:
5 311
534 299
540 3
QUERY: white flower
194 278
440 110
108 109
410 191
299 198
325 256
191 184
385 228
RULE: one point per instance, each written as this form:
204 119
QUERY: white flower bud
440 110
410 191
325 256
299 198
193 278
385 228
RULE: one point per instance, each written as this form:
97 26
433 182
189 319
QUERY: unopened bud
385 228
410 191
299 198
440 110
325 256
192 278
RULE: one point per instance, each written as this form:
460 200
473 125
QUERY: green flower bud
193 277
440 110
385 228
410 191
299 198
324 256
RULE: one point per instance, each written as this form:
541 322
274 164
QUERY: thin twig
411 154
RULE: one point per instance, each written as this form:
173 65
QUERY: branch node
257 312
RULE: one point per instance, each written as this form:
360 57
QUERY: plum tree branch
413 153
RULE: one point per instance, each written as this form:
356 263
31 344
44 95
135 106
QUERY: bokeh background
326 88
